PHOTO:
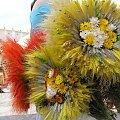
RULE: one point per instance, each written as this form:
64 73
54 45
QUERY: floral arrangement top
88 34
98 33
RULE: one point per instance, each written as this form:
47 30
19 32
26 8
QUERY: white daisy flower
100 38
94 21
51 92
96 32
84 33
51 73
112 27
98 43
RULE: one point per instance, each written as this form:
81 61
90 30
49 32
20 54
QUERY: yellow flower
59 79
89 39
51 83
112 36
84 26
62 88
104 22
108 44
103 28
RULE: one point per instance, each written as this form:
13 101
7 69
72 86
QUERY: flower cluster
98 33
55 86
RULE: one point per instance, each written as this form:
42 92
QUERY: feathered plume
36 38
13 54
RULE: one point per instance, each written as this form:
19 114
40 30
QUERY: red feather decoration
36 39
13 53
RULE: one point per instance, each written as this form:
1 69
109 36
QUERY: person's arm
38 3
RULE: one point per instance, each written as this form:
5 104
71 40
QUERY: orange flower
51 79
59 99
56 73
52 84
